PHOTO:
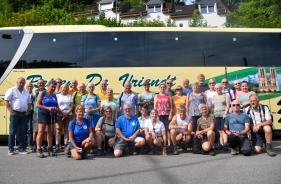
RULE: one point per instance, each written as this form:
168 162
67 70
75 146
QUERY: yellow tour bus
94 53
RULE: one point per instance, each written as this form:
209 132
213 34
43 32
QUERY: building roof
183 11
134 12
106 1
154 2
206 2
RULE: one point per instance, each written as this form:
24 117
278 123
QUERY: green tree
197 20
256 13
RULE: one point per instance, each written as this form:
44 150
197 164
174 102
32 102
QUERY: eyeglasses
212 83
235 105
127 109
225 82
108 111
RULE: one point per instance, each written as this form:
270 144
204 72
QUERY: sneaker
269 150
175 151
11 152
23 151
234 151
40 153
212 152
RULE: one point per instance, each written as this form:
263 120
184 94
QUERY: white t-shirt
112 104
143 122
18 100
157 129
65 102
210 94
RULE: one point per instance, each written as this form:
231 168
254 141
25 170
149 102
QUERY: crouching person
204 138
262 125
81 138
155 134
180 129
237 126
127 128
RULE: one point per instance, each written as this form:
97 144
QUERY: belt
18 112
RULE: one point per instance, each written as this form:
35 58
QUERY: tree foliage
256 13
197 20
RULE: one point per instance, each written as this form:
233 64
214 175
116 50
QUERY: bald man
261 125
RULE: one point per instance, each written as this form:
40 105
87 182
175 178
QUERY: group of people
205 117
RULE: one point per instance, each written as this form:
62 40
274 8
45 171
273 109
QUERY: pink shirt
163 104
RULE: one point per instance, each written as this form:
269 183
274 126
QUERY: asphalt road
143 169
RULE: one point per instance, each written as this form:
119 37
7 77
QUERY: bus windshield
9 43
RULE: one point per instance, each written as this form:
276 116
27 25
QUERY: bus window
174 49
9 43
119 49
53 50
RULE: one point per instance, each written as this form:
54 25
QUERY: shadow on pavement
162 172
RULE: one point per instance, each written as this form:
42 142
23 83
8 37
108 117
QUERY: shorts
46 117
79 144
165 120
141 134
92 118
258 138
219 123
121 144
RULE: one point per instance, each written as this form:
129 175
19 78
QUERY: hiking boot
234 151
269 150
99 152
40 153
175 151
51 152
212 152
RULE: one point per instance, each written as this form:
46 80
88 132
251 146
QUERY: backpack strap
120 98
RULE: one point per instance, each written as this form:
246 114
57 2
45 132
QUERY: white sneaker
11 152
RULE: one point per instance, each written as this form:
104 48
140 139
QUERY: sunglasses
168 83
225 82
237 84
108 111
235 105
212 83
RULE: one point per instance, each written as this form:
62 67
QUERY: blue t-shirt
81 131
187 92
127 126
90 103
237 122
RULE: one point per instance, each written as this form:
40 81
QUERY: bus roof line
28 34
100 28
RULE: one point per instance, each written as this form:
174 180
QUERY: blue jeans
17 127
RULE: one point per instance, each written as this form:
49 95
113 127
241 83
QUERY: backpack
103 123
261 109
74 121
